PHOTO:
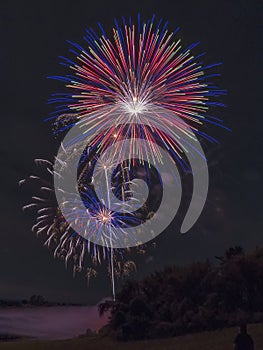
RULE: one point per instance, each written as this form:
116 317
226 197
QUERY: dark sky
33 35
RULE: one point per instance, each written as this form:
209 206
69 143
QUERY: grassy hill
219 340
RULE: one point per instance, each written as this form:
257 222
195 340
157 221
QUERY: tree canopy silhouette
183 299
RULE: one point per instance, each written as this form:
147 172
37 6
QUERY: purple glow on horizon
50 322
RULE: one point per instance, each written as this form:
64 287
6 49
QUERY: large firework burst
138 69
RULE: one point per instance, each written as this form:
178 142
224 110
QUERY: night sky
33 35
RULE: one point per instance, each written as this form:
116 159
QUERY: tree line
186 299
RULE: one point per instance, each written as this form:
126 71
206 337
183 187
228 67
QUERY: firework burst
139 69
65 242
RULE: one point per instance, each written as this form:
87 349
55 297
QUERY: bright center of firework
135 106
104 216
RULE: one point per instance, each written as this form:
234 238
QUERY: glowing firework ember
135 103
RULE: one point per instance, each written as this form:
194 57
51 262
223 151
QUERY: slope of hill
218 340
